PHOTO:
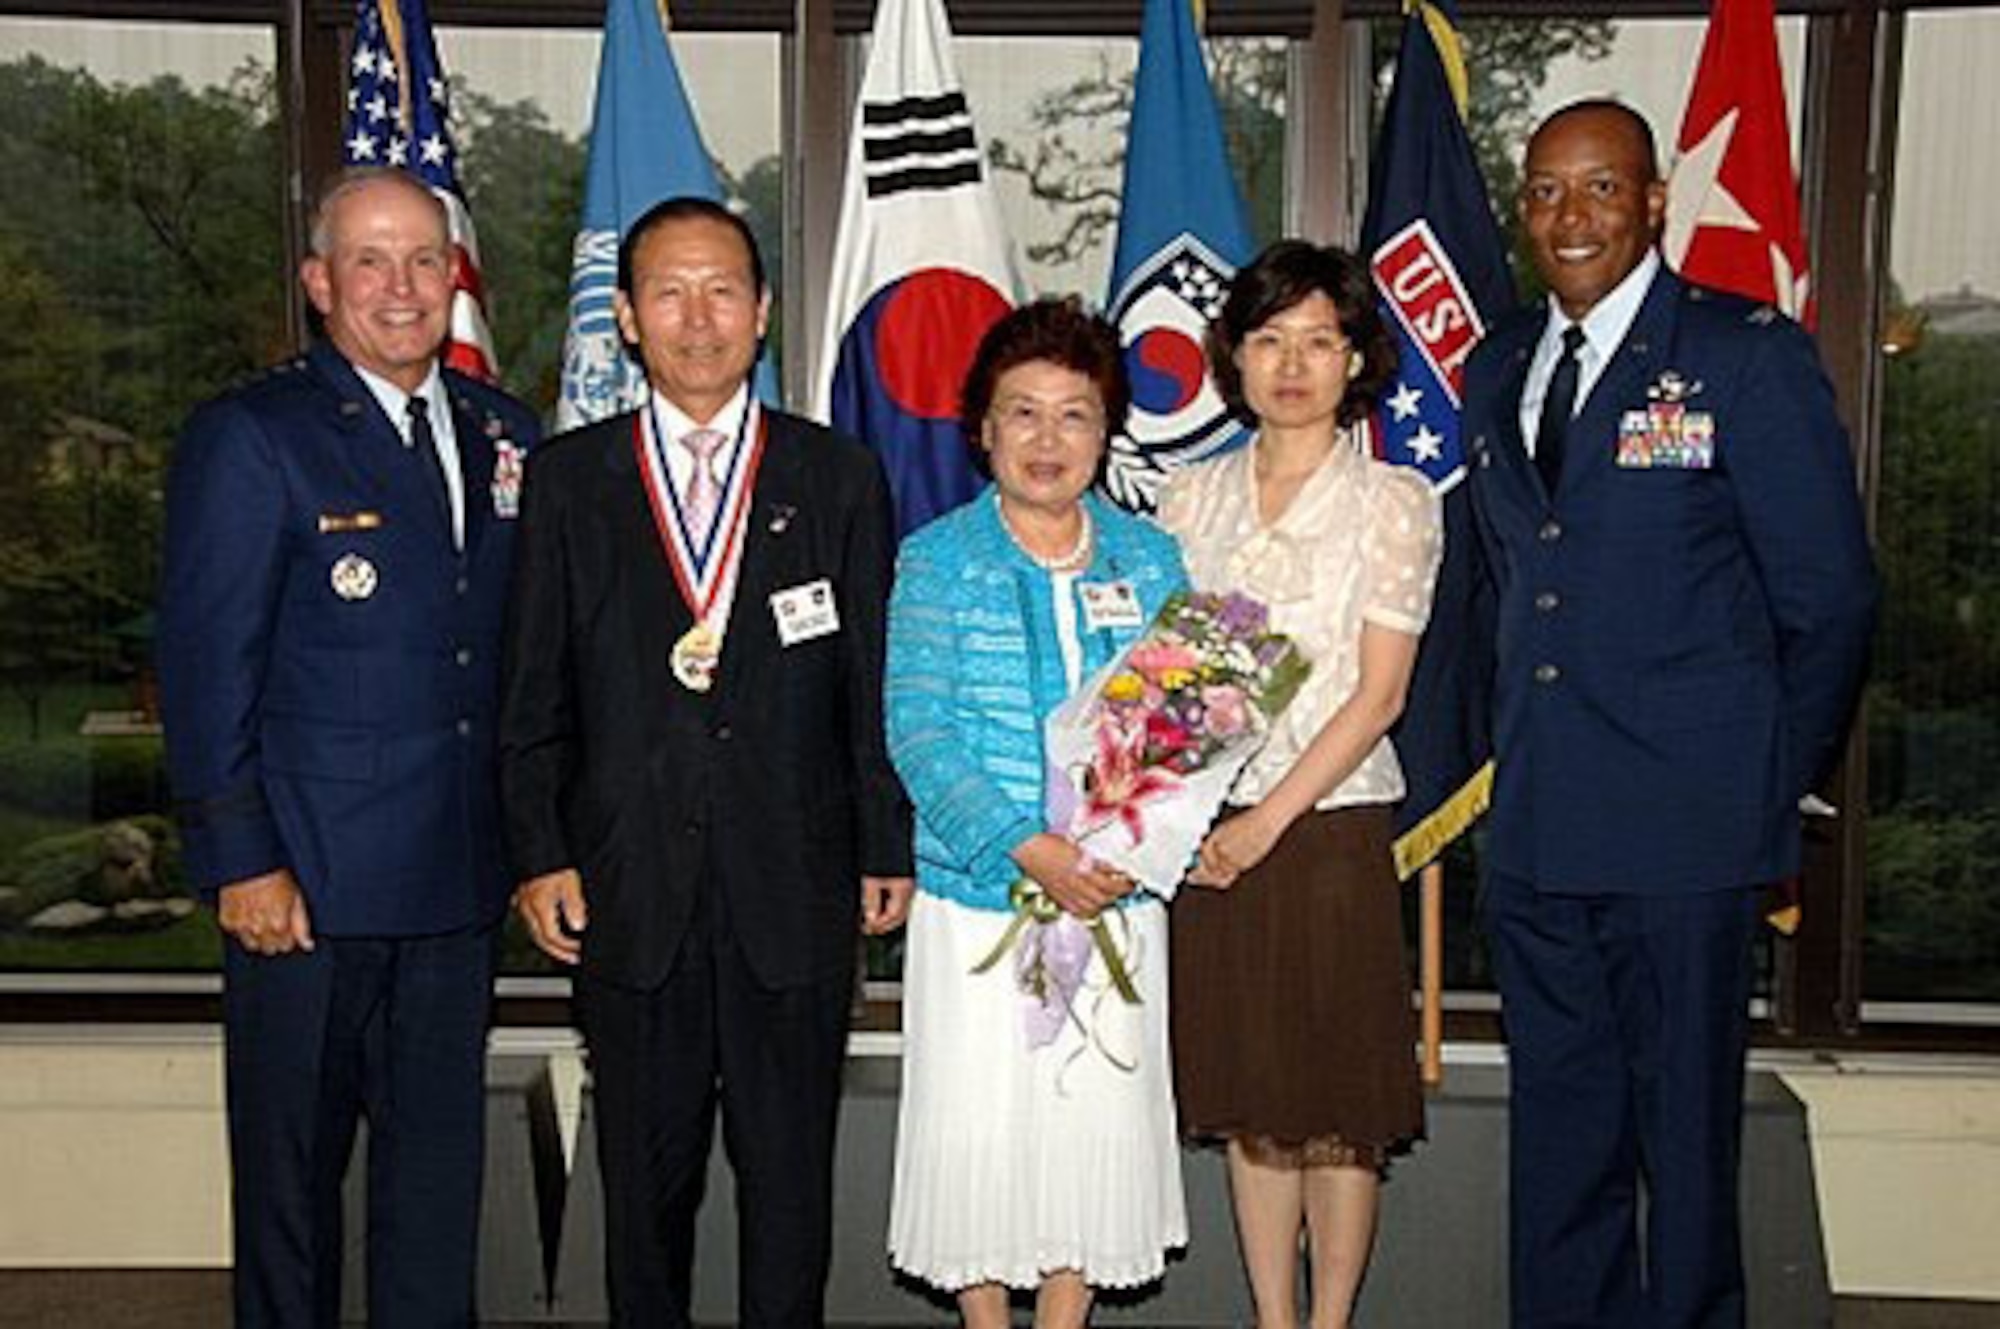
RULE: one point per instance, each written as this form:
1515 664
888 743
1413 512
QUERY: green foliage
1938 514
523 182
140 270
1933 925
189 946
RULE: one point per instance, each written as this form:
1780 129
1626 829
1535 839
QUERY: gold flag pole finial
666 16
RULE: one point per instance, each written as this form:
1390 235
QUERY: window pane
1053 112
525 99
1933 836
141 270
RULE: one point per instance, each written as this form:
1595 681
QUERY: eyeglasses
1318 344
1023 417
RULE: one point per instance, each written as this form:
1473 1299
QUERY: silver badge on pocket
353 577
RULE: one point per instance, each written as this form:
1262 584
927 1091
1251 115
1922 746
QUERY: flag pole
1430 970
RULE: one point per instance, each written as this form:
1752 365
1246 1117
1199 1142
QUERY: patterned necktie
1558 407
704 493
423 442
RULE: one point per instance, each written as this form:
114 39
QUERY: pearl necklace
1070 559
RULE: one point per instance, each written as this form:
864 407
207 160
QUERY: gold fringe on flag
392 33
1450 53
1427 839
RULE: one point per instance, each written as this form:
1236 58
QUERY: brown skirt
1292 1027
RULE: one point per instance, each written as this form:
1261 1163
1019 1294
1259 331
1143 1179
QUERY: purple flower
1241 616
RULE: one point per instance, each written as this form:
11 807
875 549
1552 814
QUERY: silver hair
349 179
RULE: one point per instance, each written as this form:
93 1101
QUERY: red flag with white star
1733 200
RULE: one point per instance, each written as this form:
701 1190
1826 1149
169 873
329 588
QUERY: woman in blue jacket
1048 1164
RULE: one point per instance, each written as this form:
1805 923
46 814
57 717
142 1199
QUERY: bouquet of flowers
1139 761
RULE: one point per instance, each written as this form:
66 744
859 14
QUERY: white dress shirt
1604 328
395 404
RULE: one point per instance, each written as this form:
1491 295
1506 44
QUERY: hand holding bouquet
1142 757
1139 762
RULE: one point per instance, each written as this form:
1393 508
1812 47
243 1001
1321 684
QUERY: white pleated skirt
1012 1163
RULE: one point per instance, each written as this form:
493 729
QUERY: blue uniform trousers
390 1029
1627 1025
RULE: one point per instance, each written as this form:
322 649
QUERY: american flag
398 108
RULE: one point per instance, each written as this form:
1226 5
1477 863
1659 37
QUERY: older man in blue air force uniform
1668 508
339 535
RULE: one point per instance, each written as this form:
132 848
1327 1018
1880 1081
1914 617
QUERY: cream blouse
1359 544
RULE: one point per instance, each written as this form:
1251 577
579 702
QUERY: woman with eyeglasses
1036 1147
1292 1031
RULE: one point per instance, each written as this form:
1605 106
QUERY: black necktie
1552 431
424 443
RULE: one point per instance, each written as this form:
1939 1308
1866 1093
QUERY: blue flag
1440 269
1182 233
398 109
644 147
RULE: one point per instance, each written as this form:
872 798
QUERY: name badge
1110 604
806 612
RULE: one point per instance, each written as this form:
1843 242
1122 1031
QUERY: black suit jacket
777 782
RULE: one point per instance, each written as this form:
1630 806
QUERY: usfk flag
1440 269
921 268
644 147
1182 234
398 106
1733 204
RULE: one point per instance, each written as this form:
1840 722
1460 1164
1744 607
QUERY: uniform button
693 828
464 728
461 586
464 656
1550 532
1547 601
1547 673
721 733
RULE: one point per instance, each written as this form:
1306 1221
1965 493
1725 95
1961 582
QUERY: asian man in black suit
698 796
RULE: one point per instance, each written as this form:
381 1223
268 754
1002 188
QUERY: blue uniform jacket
1679 646
328 661
974 669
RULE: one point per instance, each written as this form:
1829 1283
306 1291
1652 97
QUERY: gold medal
694 658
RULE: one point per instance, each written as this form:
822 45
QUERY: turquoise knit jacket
974 667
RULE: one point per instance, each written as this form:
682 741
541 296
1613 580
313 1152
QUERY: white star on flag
399 151
1426 444
378 107
361 147
433 148
1698 197
1404 403
364 61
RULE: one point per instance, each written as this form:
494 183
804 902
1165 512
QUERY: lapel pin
781 517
